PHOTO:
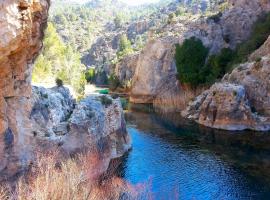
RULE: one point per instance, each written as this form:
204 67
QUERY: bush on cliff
90 75
259 35
125 47
190 58
217 66
114 82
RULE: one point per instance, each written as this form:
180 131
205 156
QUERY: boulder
98 123
226 106
50 107
240 101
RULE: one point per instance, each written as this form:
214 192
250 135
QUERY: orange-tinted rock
22 23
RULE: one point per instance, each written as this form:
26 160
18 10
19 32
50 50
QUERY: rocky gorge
244 91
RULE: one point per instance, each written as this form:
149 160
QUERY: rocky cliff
155 72
241 100
21 30
96 123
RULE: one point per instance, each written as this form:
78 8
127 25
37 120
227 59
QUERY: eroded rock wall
22 23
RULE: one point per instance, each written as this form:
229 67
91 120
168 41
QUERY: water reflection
192 162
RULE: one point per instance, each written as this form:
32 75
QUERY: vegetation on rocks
196 67
58 60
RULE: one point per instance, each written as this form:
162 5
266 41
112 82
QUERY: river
178 159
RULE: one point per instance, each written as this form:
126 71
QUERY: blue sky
139 2
129 2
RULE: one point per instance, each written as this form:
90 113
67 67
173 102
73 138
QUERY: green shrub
59 82
217 65
259 35
124 103
114 82
125 47
106 101
216 17
190 58
59 61
171 18
90 75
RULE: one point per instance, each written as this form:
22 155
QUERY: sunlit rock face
96 124
22 23
241 101
155 68
155 75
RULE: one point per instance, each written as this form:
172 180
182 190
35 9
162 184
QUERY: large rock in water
241 100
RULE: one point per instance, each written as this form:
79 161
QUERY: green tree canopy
190 58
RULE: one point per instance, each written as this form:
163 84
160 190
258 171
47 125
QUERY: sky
138 2
129 2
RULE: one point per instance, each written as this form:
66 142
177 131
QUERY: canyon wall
155 80
22 23
241 100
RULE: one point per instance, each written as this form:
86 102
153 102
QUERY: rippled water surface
181 161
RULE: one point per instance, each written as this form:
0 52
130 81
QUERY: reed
176 102
73 179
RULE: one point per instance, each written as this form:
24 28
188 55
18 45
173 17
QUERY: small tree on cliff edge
190 58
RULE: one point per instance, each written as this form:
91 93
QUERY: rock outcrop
240 101
155 69
21 30
125 70
96 125
155 75
96 121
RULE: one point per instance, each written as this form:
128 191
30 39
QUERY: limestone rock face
22 24
155 68
125 70
50 107
226 106
21 30
55 118
240 101
98 125
264 50
255 78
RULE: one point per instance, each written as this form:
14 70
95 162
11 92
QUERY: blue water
179 163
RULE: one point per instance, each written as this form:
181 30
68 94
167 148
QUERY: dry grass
72 179
172 102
